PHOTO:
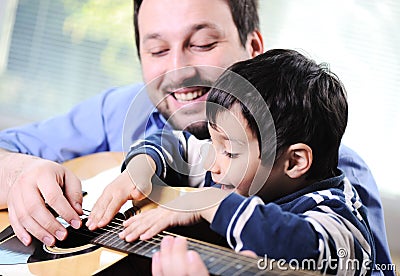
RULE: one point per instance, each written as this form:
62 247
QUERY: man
170 35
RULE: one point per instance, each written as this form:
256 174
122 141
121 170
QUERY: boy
304 208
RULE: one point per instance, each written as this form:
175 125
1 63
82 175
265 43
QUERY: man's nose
181 66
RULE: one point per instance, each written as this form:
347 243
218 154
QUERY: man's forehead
198 14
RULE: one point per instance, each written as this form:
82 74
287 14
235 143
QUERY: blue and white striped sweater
311 224
324 221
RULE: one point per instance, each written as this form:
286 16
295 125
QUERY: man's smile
188 94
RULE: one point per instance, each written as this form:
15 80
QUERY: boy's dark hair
306 101
244 14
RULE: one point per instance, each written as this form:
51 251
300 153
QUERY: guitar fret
219 266
225 262
219 261
243 269
215 261
143 250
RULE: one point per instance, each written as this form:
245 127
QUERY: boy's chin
227 187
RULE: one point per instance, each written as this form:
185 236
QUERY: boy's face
233 158
176 34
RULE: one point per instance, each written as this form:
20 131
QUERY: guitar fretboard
218 260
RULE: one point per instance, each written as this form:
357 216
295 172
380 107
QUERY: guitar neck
218 260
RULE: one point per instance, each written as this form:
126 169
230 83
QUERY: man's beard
199 129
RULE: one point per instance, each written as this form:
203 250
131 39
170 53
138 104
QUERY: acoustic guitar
99 252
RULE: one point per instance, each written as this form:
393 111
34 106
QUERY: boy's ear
299 160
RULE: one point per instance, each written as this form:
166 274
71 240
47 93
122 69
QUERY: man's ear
299 160
255 43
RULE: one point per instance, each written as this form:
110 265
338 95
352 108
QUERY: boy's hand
111 200
149 223
125 187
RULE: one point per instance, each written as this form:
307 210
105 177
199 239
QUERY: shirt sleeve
315 235
360 176
176 155
92 126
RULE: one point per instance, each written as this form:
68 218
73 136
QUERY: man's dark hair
306 101
244 14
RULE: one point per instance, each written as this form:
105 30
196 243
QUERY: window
361 42
59 52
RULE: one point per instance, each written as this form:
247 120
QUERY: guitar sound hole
77 237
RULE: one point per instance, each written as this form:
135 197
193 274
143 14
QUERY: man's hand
132 184
29 184
175 259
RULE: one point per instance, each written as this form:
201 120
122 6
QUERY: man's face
177 38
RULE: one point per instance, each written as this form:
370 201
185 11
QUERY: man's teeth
190 96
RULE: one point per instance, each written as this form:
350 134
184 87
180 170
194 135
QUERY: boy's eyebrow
223 135
237 141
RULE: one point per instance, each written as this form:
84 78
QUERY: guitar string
208 251
222 260
156 241
116 225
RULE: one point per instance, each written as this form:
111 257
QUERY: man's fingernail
47 241
156 257
75 223
25 241
190 256
78 205
60 235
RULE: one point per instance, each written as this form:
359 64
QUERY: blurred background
56 53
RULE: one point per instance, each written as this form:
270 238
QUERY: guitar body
75 255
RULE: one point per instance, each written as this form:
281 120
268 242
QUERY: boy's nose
208 153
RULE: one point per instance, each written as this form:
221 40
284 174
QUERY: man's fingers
19 230
195 264
42 232
174 259
28 213
73 191
248 253
156 267
54 197
173 251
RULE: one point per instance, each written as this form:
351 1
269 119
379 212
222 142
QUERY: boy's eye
231 155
